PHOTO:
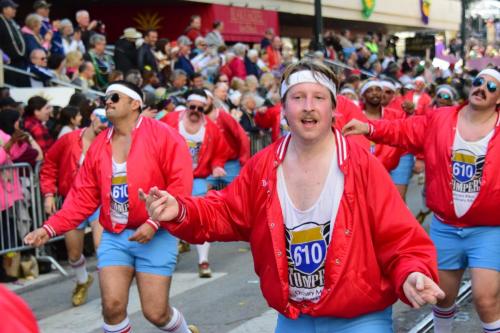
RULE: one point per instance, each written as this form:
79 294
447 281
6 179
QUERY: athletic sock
443 318
203 252
177 323
80 269
123 327
493 327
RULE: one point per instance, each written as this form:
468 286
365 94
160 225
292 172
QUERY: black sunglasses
490 85
113 97
444 96
196 108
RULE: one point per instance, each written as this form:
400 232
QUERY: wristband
52 233
153 224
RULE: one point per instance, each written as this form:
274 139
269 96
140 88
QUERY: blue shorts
232 169
91 218
200 187
158 256
375 322
402 174
459 248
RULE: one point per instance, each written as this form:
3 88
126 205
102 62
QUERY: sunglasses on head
444 96
113 97
196 108
490 85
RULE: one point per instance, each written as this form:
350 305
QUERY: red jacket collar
110 131
340 142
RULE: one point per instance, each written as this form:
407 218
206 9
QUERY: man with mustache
333 244
461 146
209 152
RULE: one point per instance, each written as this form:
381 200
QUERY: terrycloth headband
388 85
445 90
491 72
368 85
124 90
347 91
199 98
307 76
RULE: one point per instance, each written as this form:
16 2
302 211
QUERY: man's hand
143 234
49 204
37 237
218 172
408 107
161 205
421 290
356 127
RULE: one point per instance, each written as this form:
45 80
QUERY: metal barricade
17 205
259 141
41 253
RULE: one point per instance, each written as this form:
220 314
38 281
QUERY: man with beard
209 152
58 172
132 245
371 93
461 146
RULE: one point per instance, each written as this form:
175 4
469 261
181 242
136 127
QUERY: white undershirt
467 170
119 194
308 234
193 141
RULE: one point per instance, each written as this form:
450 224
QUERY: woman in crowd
70 119
36 114
31 34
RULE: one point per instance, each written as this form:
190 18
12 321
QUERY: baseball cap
8 3
41 4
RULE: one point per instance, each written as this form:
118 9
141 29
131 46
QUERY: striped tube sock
80 269
123 327
443 318
177 323
493 327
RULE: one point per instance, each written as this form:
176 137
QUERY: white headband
419 78
491 72
369 84
347 91
124 90
388 85
199 98
445 90
307 76
209 93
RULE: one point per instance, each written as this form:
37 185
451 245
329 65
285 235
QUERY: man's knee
157 317
114 311
486 302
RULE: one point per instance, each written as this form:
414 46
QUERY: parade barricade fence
259 141
21 209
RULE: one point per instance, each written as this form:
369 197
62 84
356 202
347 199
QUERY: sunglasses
196 108
444 96
490 85
113 97
104 120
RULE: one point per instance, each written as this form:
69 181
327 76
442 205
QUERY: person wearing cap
12 43
333 244
417 95
125 55
57 175
42 8
209 152
371 93
136 152
461 146
183 62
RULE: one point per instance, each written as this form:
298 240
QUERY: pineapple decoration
368 7
148 21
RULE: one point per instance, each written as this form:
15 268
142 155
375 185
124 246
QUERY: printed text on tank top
308 234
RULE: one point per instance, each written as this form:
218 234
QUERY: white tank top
193 141
467 163
308 234
119 196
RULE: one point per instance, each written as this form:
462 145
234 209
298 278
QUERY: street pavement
230 301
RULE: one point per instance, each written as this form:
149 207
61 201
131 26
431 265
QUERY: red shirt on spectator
39 132
238 69
273 57
235 136
193 33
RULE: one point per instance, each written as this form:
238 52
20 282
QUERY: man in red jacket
333 243
461 146
209 152
135 153
57 174
420 99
